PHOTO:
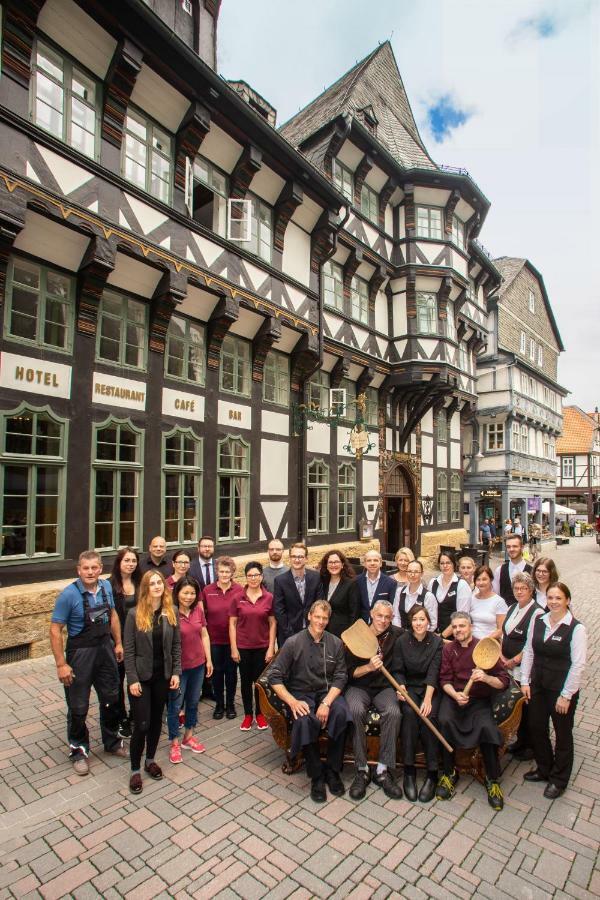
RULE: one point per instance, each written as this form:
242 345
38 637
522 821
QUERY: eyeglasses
254 575
545 571
182 562
297 557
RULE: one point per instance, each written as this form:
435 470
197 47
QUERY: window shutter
239 217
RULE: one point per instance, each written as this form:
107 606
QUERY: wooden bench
507 709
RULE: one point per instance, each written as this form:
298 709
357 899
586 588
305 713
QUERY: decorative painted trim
18 34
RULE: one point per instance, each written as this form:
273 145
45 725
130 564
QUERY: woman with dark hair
450 591
252 631
419 659
544 573
340 590
125 580
551 670
195 661
488 609
181 566
153 664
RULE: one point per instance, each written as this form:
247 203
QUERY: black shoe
230 712
427 792
495 795
409 783
534 775
317 790
218 712
358 788
124 729
551 792
388 783
334 783
446 786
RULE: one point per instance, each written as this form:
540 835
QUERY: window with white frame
182 487
276 378
349 408
208 192
516 437
147 155
532 349
495 436
455 497
531 301
540 355
343 180
233 489
234 373
359 299
333 285
318 497
32 483
450 324
65 100
442 497
523 343
184 352
121 334
318 391
369 203
442 427
39 307
464 357
568 465
117 469
524 439
346 497
546 444
261 229
426 313
458 233
553 448
429 222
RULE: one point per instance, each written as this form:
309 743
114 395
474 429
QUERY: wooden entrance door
398 512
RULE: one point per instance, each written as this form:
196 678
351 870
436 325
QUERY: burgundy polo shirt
252 620
216 608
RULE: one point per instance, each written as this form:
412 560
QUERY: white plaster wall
296 254
318 438
442 456
273 468
426 448
370 476
427 480
455 456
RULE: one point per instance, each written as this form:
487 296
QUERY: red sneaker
193 745
246 724
175 752
261 722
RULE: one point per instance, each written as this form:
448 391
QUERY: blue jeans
190 688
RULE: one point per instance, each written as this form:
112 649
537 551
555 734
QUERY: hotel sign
182 405
114 391
490 493
35 376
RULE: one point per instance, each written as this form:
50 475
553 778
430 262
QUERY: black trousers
224 677
147 714
252 664
413 728
490 760
93 667
555 765
123 713
306 731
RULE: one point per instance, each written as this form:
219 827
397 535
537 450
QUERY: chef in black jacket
418 665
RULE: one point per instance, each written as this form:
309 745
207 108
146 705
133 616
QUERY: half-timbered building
578 455
194 301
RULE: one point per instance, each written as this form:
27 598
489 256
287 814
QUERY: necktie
207 578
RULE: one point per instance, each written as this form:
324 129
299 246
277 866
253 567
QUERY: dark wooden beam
268 333
360 173
288 201
192 131
249 163
171 290
97 264
305 358
120 80
18 34
225 313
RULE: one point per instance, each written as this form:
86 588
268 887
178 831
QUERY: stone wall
432 540
537 325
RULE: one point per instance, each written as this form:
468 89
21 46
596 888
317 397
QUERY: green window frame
346 409
235 368
343 179
210 190
233 489
147 155
455 493
442 427
317 488
333 285
372 406
65 100
429 222
32 484
369 203
458 233
40 305
359 299
346 497
185 351
442 497
182 468
117 481
318 392
276 378
122 329
426 313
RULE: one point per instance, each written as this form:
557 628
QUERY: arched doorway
398 510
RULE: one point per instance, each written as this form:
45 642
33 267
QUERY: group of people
165 625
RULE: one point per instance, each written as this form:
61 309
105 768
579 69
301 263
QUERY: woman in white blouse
451 592
412 593
551 671
488 609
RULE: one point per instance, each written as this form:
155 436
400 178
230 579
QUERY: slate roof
509 267
376 82
578 431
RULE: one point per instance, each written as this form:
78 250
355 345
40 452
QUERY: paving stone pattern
230 824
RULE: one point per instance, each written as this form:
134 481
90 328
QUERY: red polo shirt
216 608
252 620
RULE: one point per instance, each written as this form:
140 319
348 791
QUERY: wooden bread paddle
360 640
485 656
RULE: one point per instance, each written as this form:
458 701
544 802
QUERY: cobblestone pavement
231 824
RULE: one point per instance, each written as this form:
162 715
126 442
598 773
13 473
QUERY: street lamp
427 508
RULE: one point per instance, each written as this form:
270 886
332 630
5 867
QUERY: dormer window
367 116
343 180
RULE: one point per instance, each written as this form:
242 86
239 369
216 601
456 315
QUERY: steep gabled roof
509 267
375 85
578 431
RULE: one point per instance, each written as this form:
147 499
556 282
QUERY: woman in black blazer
153 665
340 589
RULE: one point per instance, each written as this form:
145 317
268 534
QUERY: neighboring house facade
193 300
510 453
578 453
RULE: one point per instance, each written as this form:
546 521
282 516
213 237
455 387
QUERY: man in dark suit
374 585
203 567
294 593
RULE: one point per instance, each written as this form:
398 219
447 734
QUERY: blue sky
508 89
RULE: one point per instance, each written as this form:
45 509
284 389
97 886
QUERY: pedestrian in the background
485 534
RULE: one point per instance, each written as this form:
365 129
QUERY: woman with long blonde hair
153 665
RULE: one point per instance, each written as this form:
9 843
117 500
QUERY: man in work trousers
87 610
